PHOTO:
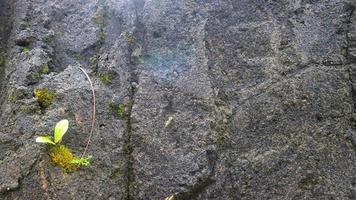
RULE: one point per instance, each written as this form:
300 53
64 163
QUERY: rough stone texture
245 99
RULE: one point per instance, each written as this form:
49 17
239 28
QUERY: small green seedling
59 131
60 154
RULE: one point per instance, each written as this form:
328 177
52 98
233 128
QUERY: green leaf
44 139
60 129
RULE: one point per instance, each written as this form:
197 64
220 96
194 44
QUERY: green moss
121 110
37 75
63 157
93 61
25 109
222 130
25 49
118 109
101 37
117 170
79 56
116 173
82 161
45 69
2 60
10 98
106 78
276 138
44 97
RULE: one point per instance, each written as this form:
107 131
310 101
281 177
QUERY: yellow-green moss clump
45 69
44 97
106 78
25 49
63 157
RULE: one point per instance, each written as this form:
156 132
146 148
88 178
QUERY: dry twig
93 114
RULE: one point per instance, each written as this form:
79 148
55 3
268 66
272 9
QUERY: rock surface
200 99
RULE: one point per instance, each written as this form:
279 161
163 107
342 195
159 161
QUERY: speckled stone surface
200 99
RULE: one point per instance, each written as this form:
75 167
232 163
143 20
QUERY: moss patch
63 157
27 109
38 74
101 37
222 129
44 97
45 69
11 96
118 109
2 60
25 49
106 78
93 61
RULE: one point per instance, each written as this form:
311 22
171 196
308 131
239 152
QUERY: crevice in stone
348 54
138 36
349 40
6 22
352 76
352 69
350 43
127 147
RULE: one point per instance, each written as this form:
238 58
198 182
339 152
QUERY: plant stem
93 115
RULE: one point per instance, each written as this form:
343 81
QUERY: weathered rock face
200 99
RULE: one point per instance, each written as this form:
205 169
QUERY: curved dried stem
93 114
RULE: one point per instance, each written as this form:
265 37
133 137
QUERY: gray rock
245 99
